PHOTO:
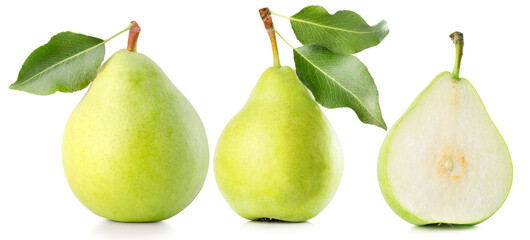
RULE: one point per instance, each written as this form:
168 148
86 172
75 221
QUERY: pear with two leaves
444 161
134 148
278 158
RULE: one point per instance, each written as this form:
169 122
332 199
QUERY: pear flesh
444 161
134 149
279 157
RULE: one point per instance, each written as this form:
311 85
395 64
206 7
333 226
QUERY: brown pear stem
134 32
265 15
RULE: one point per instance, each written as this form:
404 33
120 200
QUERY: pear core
452 164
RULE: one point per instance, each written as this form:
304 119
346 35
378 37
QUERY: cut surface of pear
279 157
444 161
134 148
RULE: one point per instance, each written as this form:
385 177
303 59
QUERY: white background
214 52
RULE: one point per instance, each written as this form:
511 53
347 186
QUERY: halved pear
444 161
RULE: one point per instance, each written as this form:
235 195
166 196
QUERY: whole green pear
134 149
444 161
279 157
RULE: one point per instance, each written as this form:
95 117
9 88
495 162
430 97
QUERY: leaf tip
14 86
379 122
384 28
384 127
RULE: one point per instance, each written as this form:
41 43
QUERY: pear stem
458 40
134 32
265 15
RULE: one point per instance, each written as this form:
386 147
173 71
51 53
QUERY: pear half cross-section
444 161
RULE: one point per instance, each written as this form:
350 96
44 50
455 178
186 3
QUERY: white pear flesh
444 161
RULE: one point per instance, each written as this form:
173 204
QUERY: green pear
444 161
134 148
279 157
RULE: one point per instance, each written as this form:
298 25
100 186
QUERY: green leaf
339 80
344 32
67 63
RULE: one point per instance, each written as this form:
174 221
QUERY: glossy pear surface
134 149
444 161
279 157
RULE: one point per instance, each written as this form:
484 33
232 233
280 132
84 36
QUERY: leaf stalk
122 31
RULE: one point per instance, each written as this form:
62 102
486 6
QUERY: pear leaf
345 31
339 80
67 63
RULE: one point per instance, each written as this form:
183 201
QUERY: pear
134 148
278 158
444 161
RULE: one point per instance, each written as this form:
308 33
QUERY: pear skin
134 149
279 157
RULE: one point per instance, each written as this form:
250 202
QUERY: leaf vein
329 27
